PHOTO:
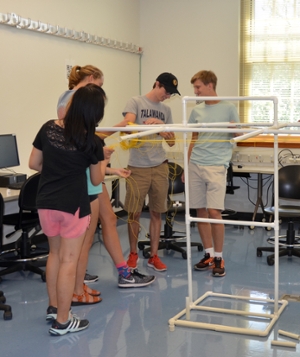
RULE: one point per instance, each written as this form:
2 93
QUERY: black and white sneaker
135 280
88 278
52 313
74 325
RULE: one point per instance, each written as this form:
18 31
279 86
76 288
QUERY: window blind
270 58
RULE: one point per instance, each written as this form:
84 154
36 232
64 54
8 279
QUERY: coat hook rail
14 20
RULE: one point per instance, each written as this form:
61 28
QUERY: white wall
184 37
32 70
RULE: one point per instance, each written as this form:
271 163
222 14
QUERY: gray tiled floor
134 322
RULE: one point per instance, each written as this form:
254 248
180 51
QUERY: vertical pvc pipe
187 203
187 309
276 214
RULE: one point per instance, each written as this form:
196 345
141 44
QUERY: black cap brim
171 90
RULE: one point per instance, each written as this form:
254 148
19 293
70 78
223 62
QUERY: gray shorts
207 185
153 181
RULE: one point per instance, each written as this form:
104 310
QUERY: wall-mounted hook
77 35
72 34
24 23
44 27
68 33
53 29
38 26
83 36
33 25
4 18
96 40
14 19
61 31
88 38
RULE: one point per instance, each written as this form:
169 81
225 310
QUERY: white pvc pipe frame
273 128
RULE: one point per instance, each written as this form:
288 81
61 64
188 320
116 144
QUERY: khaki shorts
207 185
153 181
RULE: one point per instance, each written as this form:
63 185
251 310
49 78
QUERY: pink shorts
57 223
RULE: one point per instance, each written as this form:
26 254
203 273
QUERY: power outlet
68 67
294 160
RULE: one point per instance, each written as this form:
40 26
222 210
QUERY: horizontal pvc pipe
233 312
204 129
289 334
283 343
247 136
236 297
190 99
140 134
175 128
222 328
233 222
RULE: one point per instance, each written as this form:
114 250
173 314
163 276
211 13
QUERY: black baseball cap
169 81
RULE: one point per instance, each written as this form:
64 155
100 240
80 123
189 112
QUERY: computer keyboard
16 186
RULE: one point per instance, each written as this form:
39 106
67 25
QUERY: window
270 59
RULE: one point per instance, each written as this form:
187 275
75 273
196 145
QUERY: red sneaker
133 260
155 263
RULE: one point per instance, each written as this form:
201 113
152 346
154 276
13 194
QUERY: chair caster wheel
43 276
184 255
259 253
251 227
7 315
270 261
268 228
146 255
141 246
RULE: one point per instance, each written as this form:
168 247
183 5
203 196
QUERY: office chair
289 189
7 315
168 240
24 254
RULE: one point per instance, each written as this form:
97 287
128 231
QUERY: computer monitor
9 155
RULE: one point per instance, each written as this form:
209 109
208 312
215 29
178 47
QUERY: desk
8 194
259 171
13 195
11 204
256 155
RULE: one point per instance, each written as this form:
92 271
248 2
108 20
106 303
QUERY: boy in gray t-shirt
148 165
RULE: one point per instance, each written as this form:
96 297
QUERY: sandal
90 291
85 299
